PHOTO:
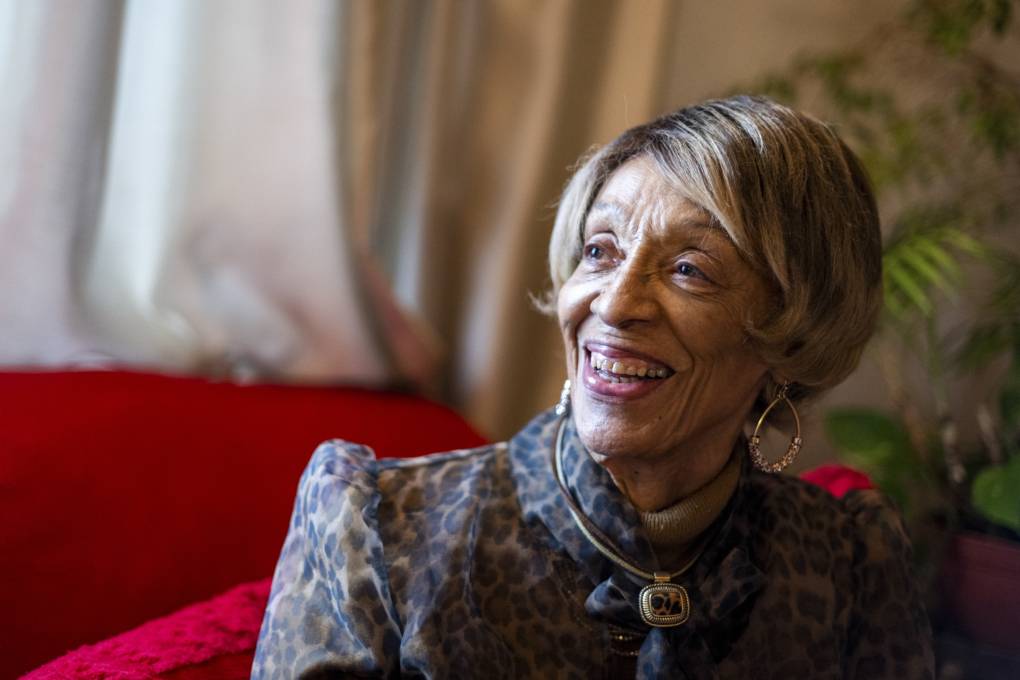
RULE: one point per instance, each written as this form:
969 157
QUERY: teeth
620 372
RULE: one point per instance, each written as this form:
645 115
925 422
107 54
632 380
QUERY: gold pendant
664 604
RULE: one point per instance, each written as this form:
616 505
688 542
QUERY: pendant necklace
662 603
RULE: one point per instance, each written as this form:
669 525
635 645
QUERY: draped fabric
181 184
328 191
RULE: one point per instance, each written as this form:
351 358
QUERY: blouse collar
722 579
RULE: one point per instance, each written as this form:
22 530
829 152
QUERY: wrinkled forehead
639 193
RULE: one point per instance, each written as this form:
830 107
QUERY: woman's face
653 320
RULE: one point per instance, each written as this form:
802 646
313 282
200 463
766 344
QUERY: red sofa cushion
125 496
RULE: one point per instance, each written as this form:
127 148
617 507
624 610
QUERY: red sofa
126 496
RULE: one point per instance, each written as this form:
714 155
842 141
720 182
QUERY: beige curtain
171 192
466 117
356 192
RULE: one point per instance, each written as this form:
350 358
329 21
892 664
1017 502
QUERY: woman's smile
610 371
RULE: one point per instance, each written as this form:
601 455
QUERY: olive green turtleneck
673 531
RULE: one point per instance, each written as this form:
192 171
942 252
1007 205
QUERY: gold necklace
662 604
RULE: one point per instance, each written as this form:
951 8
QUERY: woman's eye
688 269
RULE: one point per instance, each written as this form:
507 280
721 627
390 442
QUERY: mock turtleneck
673 529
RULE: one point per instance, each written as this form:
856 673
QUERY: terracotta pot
981 587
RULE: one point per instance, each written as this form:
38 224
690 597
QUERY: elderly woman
711 269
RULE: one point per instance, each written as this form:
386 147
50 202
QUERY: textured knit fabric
469 565
214 637
685 520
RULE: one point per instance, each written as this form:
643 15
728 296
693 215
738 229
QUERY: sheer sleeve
889 635
330 612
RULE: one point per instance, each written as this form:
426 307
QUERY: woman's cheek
574 303
568 329
571 309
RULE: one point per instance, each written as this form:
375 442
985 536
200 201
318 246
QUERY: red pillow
837 479
214 639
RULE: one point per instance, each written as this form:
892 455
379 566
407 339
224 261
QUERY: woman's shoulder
861 529
803 503
844 563
354 468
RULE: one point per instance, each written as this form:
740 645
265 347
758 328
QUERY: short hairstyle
795 201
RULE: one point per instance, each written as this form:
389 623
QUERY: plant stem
890 364
946 424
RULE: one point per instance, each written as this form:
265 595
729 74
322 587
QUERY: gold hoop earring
753 446
564 404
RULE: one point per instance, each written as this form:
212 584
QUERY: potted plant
935 116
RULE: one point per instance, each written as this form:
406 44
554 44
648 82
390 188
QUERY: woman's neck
652 484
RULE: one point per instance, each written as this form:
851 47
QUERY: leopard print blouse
468 565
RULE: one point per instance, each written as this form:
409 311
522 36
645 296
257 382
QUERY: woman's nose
626 298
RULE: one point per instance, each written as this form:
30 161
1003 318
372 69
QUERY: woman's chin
607 456
610 438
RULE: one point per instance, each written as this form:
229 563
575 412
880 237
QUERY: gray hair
795 201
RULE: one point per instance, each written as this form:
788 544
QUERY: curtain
173 170
471 115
